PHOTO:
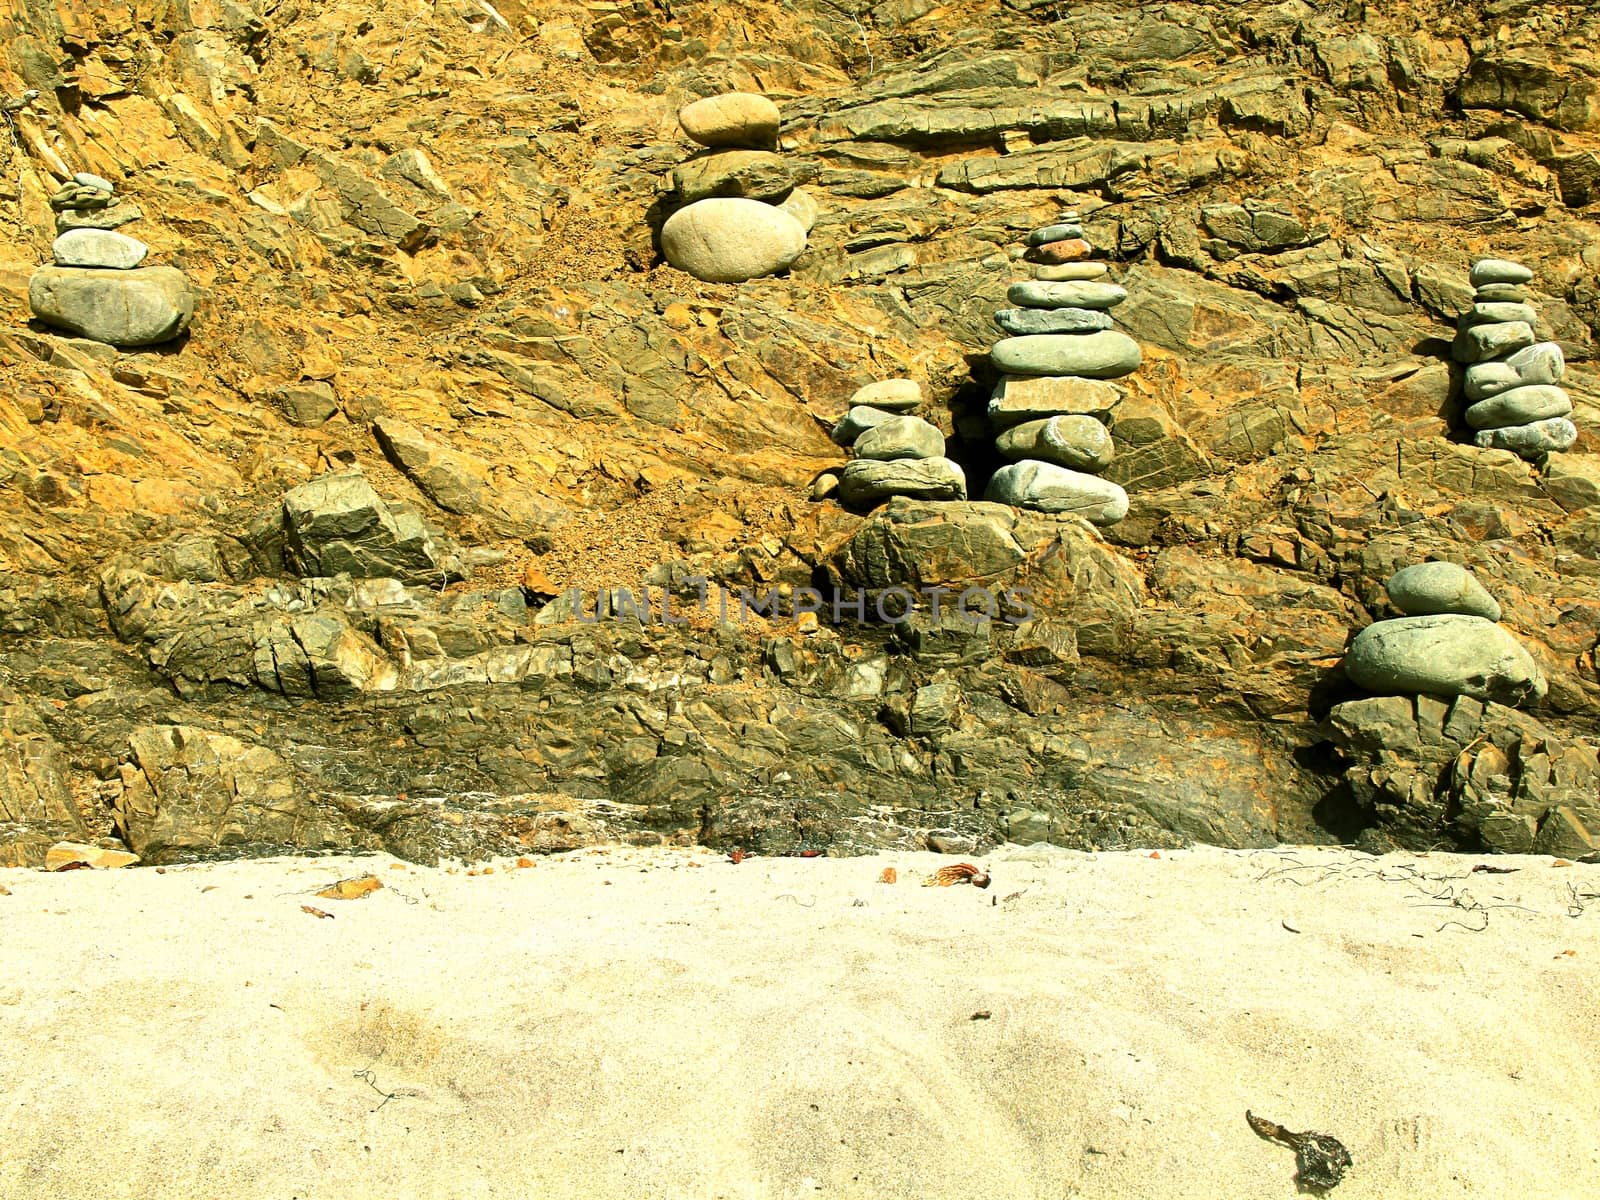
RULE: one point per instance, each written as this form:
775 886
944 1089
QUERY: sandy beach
658 1023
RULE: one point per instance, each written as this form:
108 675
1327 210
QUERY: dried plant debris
957 873
1321 1160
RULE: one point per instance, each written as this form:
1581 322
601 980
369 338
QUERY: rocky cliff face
422 237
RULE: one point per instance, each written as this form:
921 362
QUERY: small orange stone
1065 251
889 875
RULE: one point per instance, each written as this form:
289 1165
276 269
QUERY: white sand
624 1024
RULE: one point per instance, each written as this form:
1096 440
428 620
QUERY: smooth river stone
1069 293
901 437
857 421
732 119
1019 398
1070 250
866 480
141 307
1447 654
98 182
1109 354
1500 293
753 174
102 248
1519 406
1480 342
1060 272
1498 270
1530 441
1052 320
895 395
1440 587
1081 443
1538 364
731 240
1055 233
1045 487
803 207
1490 314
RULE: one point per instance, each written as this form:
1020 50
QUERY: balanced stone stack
744 215
1510 388
1447 644
1051 404
97 287
896 454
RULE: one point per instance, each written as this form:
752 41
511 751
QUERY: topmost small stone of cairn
742 119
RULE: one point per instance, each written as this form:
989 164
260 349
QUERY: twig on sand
368 1076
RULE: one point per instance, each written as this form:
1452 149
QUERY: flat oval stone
100 184
141 307
857 421
1019 398
1500 293
1530 441
1480 342
1055 233
1059 272
901 437
1498 270
1108 354
1045 487
1081 443
1488 313
1537 364
1052 320
102 248
753 174
1519 406
866 480
1447 654
1070 250
732 119
1440 587
895 395
1069 293
731 240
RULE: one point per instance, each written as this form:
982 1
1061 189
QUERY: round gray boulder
1519 406
1541 363
1498 270
1530 441
731 240
1108 354
1078 442
101 248
1447 654
1440 587
895 395
1068 293
867 480
1046 487
141 307
732 119
901 437
1052 320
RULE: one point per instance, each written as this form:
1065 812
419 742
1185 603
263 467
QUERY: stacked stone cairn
1510 387
1448 643
97 287
743 215
1052 401
896 454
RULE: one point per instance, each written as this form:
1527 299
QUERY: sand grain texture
624 1024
